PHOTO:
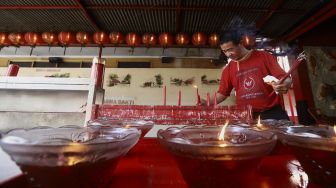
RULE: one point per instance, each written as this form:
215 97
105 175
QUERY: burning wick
222 133
127 126
259 125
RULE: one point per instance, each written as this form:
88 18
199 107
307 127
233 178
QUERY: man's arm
220 98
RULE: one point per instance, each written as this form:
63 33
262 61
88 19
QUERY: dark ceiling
279 19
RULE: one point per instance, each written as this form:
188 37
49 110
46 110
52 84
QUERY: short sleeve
225 86
273 66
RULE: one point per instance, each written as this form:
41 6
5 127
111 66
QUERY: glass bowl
143 125
206 161
315 149
69 156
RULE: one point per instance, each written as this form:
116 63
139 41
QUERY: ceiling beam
323 14
146 7
273 8
42 7
87 15
196 8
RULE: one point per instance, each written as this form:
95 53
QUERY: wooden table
150 165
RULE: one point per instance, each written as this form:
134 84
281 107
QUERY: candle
208 99
198 97
215 100
164 95
179 99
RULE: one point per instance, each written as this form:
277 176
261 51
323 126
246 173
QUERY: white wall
141 95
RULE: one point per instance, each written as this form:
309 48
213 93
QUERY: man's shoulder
261 52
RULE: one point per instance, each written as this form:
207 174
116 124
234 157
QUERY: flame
195 86
335 129
222 133
259 125
127 126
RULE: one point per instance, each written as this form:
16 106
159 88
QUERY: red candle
198 97
208 99
215 100
179 98
164 95
12 70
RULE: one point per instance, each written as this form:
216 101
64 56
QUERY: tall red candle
179 98
208 99
215 100
164 95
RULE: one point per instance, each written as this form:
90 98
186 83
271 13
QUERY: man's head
230 43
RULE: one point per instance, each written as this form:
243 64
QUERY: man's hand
283 87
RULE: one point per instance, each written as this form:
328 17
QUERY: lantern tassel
100 51
31 50
187 51
80 51
49 48
64 50
132 50
115 48
15 50
163 51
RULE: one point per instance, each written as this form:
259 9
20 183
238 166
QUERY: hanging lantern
49 37
33 38
16 38
65 38
199 39
182 39
213 40
248 41
116 38
149 39
100 38
83 38
132 39
4 41
166 39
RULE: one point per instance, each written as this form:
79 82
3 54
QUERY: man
245 72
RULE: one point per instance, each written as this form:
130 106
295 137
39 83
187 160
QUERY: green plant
158 79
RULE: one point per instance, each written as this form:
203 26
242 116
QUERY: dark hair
233 36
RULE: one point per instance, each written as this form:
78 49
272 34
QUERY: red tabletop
150 165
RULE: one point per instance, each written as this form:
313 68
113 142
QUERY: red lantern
248 41
100 38
49 37
83 38
166 39
213 40
149 39
182 39
4 41
33 38
16 38
132 39
65 38
199 39
116 38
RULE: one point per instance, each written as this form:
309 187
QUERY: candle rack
173 115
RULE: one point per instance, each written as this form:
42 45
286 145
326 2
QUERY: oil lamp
69 156
315 149
217 156
143 125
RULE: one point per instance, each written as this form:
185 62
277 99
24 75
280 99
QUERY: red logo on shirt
249 83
